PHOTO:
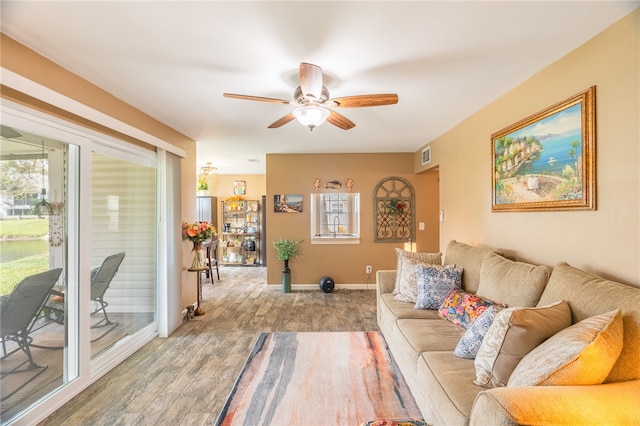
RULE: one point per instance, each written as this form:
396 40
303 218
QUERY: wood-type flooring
186 378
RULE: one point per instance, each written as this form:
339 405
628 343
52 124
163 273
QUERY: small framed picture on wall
239 187
287 203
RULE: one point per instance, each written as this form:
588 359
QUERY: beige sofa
442 384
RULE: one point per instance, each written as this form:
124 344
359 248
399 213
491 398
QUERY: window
335 218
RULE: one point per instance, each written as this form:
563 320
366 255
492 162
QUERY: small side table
199 311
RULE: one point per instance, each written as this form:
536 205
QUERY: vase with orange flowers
198 233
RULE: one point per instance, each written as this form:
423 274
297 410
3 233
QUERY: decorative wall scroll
394 211
332 184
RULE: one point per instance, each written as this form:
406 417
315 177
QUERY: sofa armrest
385 281
606 404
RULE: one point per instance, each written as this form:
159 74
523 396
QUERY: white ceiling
174 59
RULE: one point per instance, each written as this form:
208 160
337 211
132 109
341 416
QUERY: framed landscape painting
547 161
287 203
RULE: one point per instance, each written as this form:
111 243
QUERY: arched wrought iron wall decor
393 211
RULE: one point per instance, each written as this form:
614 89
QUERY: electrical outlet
368 269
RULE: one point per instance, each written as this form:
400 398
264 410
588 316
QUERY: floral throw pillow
434 283
472 338
462 308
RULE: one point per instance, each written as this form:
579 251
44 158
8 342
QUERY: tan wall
605 241
33 66
294 174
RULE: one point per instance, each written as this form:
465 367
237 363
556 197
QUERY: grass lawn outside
23 229
15 269
11 273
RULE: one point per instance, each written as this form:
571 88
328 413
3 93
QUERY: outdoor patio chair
100 280
18 312
100 283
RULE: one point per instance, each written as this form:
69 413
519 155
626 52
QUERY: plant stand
199 311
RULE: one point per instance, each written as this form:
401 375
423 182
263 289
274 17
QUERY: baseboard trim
309 287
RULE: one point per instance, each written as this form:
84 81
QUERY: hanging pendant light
43 208
208 170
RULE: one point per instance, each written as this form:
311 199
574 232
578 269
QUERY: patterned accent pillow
462 308
582 354
514 333
434 283
406 288
472 338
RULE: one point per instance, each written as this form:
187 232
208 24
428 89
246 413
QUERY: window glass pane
123 217
33 268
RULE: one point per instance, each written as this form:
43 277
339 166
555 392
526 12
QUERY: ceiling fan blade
255 98
310 80
282 121
364 100
340 120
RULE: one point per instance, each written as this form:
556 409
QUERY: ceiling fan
313 99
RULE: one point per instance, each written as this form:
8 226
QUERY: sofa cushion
408 338
405 290
448 380
462 308
434 283
406 310
427 335
470 341
470 259
582 354
513 334
590 295
511 283
389 311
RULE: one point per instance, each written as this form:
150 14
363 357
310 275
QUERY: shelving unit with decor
240 233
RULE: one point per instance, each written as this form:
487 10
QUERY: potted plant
285 250
203 183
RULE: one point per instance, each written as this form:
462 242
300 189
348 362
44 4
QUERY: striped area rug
325 378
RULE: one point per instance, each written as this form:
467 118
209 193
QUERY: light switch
441 215
420 226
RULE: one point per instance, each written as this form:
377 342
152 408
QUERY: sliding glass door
79 228
37 277
123 249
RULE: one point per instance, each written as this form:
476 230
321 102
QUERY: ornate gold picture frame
547 160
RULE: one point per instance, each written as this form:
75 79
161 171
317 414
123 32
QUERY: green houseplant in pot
285 250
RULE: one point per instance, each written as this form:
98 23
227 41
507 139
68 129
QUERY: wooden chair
211 259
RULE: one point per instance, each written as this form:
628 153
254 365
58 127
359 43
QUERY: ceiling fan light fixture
311 116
